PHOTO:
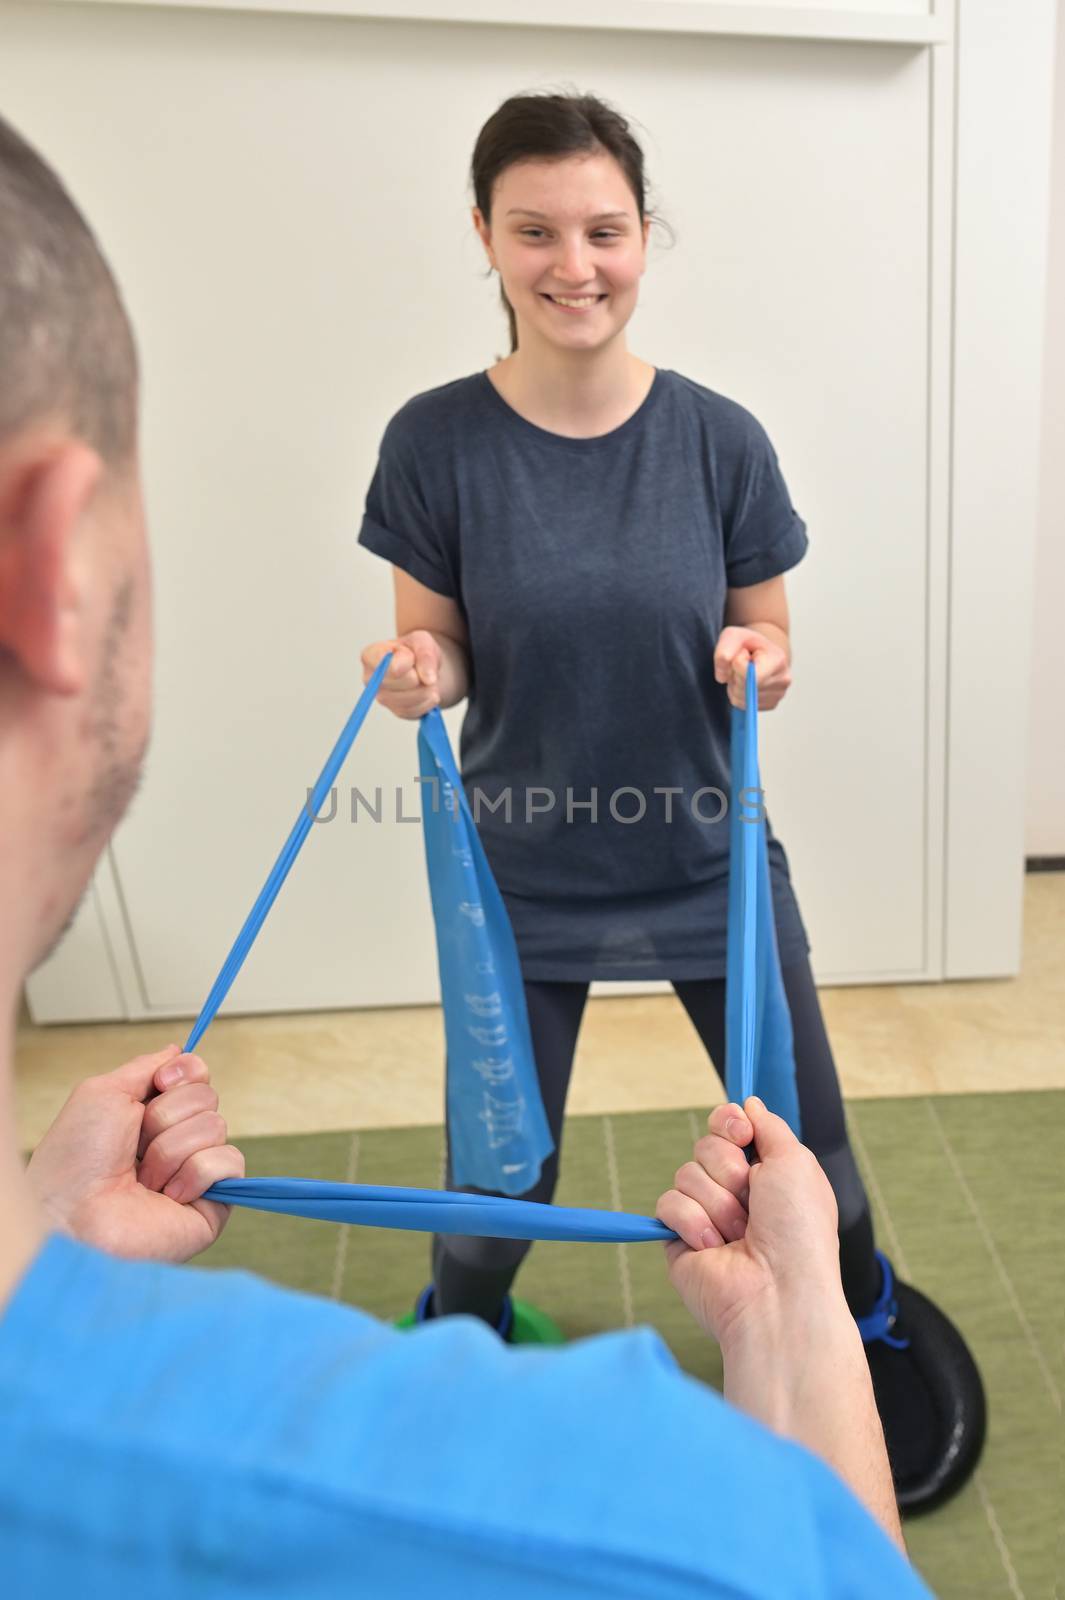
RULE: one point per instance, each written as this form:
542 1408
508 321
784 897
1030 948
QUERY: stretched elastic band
437 1211
289 851
749 843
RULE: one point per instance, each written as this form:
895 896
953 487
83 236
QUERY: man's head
75 624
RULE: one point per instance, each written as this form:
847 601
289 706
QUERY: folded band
437 1211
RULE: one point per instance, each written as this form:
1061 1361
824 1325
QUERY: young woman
589 550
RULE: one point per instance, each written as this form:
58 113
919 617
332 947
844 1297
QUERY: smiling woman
591 550
571 260
569 284
572 225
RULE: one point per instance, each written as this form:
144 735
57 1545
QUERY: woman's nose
573 264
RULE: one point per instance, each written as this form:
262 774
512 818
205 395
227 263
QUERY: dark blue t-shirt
592 575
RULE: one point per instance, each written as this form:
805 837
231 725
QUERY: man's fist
125 1163
754 1240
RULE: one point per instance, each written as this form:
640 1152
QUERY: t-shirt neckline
630 424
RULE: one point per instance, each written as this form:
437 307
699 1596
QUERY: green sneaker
533 1326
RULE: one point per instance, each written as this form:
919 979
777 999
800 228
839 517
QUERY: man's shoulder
235 1399
332 1396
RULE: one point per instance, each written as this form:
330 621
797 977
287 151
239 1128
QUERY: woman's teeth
588 300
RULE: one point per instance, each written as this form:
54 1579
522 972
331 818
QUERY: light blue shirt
182 1433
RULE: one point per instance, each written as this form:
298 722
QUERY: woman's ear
46 484
483 234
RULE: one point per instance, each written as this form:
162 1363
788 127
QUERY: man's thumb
136 1077
772 1136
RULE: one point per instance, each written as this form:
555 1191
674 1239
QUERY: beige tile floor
383 1069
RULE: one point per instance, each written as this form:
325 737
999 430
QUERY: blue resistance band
437 1211
754 983
498 1132
282 866
759 1048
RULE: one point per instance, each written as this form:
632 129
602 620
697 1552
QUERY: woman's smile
575 304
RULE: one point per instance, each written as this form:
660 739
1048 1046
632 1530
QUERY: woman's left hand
738 646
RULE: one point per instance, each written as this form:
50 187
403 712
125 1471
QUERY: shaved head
75 591
66 347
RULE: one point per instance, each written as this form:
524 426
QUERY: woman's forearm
422 610
775 634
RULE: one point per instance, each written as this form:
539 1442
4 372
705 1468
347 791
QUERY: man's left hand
127 1160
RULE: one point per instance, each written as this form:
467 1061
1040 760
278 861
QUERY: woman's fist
738 646
411 686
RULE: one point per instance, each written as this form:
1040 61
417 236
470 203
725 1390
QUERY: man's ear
46 483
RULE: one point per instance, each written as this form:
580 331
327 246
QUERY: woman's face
567 230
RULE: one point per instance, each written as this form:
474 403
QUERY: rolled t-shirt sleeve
764 535
399 522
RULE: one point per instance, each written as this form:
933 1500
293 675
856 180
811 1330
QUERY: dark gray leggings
474 1275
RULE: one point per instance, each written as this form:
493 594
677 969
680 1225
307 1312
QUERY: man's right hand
757 1265
411 686
751 1237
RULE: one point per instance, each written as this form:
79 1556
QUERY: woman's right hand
411 686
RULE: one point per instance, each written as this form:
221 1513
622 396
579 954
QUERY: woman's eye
600 233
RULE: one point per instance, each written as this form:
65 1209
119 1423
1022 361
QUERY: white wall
1045 819
261 181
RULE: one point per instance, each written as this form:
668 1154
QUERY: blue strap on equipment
497 1127
759 1049
878 1323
